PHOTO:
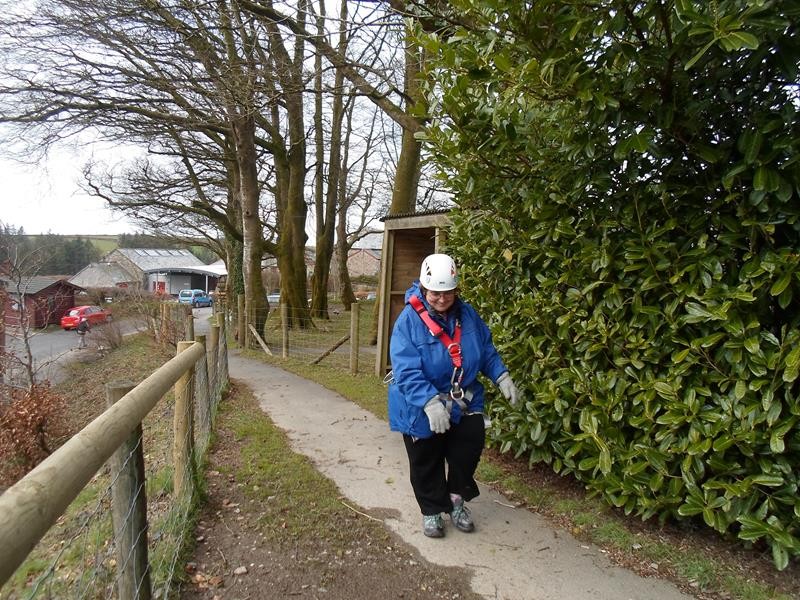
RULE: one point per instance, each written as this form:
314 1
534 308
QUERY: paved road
51 349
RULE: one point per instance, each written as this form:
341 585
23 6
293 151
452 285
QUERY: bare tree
189 83
215 94
326 202
364 189
19 265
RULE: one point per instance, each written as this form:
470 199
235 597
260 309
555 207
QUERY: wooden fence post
154 324
129 508
354 323
183 432
188 320
212 353
242 320
202 397
222 354
284 330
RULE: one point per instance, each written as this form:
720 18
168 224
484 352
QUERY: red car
94 314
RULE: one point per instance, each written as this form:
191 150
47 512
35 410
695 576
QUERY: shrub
628 221
107 336
30 426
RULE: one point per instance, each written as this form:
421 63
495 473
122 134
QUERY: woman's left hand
507 388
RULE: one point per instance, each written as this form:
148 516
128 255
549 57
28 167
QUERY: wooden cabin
46 300
407 240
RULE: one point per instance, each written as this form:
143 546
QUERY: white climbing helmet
438 273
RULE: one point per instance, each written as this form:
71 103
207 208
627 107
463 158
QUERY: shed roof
35 284
101 275
421 213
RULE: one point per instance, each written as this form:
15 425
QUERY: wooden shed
407 240
46 300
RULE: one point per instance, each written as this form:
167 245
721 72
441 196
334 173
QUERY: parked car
93 314
274 298
196 298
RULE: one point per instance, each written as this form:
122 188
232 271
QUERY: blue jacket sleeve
407 361
493 366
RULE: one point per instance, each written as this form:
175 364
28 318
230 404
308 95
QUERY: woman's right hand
437 415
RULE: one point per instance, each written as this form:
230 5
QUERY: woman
82 329
439 344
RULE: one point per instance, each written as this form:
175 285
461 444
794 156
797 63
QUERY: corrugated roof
148 259
34 285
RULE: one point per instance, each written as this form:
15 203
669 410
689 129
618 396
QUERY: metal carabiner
456 392
455 378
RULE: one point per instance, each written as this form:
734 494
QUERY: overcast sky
47 198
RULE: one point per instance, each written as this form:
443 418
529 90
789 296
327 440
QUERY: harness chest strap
453 346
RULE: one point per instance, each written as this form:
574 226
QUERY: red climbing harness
453 345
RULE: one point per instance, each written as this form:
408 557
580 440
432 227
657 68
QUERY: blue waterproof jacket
422 367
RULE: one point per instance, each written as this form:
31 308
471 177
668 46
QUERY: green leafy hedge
627 186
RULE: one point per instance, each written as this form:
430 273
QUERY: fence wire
79 557
318 340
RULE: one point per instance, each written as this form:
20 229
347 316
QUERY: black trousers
445 464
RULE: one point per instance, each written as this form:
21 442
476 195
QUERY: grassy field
104 243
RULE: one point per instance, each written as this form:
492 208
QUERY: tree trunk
404 193
252 230
346 295
326 224
319 280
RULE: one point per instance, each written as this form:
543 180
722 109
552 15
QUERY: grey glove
507 388
437 415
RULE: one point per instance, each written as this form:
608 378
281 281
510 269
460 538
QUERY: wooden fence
336 339
199 373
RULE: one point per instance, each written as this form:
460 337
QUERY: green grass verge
281 480
297 505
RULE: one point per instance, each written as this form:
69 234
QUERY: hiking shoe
460 517
433 526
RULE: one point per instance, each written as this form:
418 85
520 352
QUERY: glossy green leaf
741 39
767 480
781 284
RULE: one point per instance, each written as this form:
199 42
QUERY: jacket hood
414 290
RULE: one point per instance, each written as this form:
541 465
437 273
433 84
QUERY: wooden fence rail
30 507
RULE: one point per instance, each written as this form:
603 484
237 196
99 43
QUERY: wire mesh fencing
123 533
341 338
